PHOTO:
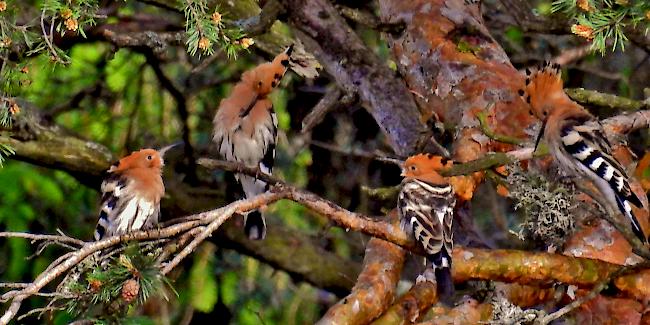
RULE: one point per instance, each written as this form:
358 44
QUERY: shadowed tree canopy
86 82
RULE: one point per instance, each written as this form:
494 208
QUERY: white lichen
547 206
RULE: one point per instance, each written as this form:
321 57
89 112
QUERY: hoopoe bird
131 193
245 130
577 141
426 208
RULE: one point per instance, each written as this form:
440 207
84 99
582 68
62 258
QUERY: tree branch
261 23
411 306
374 288
357 69
595 98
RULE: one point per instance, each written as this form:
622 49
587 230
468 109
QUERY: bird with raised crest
426 208
245 130
131 193
577 142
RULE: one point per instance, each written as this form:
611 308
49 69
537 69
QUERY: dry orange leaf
464 186
606 311
640 172
602 242
502 190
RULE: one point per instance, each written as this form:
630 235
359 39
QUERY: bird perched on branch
426 208
577 141
131 193
245 130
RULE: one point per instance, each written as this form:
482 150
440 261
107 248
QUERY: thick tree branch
374 289
411 306
357 69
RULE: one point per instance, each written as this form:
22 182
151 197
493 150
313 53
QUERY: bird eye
413 168
149 157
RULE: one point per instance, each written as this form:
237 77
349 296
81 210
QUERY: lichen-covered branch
595 98
411 306
374 289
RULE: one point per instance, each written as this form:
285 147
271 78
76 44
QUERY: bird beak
163 150
289 50
541 134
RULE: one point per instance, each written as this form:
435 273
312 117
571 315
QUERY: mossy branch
595 98
482 120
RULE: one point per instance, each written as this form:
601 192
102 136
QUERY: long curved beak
163 150
541 134
289 50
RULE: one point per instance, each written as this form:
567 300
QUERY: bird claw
427 275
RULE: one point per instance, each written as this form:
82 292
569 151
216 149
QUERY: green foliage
604 21
206 27
102 287
5 151
203 285
33 198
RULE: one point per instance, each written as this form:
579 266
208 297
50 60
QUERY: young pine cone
130 290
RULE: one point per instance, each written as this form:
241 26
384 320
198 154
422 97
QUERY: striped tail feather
626 209
441 262
592 151
445 285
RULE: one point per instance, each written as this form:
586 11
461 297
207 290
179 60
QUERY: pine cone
130 290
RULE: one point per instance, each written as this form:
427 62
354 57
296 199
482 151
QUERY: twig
591 97
482 120
547 319
199 239
13 285
38 310
573 54
47 39
369 20
35 237
328 103
377 155
89 248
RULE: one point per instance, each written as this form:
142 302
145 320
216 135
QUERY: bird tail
544 87
625 207
254 222
255 225
441 263
444 285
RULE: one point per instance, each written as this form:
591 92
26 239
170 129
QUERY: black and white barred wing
426 211
255 148
587 143
122 210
